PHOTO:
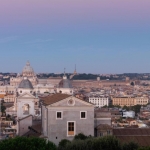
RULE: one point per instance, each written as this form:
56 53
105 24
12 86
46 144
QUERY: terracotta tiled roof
133 126
50 99
141 140
104 126
141 136
132 132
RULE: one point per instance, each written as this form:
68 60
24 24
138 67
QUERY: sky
99 36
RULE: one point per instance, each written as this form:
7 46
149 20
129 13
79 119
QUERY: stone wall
23 125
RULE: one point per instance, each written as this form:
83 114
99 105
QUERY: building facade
129 101
141 100
99 101
123 101
64 116
9 98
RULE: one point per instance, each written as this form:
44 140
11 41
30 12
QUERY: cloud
8 39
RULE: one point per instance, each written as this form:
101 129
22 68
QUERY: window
71 128
83 114
59 115
26 109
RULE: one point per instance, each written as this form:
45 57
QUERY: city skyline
98 36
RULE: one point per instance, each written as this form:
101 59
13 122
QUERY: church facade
64 116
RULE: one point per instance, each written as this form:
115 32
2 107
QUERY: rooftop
141 140
50 99
132 132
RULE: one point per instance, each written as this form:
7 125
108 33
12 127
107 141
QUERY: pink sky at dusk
54 11
43 31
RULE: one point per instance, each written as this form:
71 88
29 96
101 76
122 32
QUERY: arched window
26 109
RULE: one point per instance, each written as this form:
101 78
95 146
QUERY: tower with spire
75 71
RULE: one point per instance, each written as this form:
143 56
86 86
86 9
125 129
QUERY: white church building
26 89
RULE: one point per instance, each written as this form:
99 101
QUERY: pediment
26 95
71 102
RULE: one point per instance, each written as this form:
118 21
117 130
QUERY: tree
24 143
136 108
80 136
125 107
3 108
105 106
63 143
104 143
130 146
144 148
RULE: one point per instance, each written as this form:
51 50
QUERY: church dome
65 83
25 84
28 70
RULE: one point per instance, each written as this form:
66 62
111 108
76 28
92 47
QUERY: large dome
28 70
25 84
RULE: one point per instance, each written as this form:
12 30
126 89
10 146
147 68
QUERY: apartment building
9 98
141 100
129 101
99 101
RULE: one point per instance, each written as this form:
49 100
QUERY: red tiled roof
132 132
141 140
50 99
140 136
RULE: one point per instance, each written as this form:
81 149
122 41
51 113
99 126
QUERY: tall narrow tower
75 71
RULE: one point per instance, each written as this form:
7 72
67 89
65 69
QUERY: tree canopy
24 143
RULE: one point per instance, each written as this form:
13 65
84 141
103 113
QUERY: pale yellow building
141 100
129 101
123 101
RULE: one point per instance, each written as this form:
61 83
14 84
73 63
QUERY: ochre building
129 101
